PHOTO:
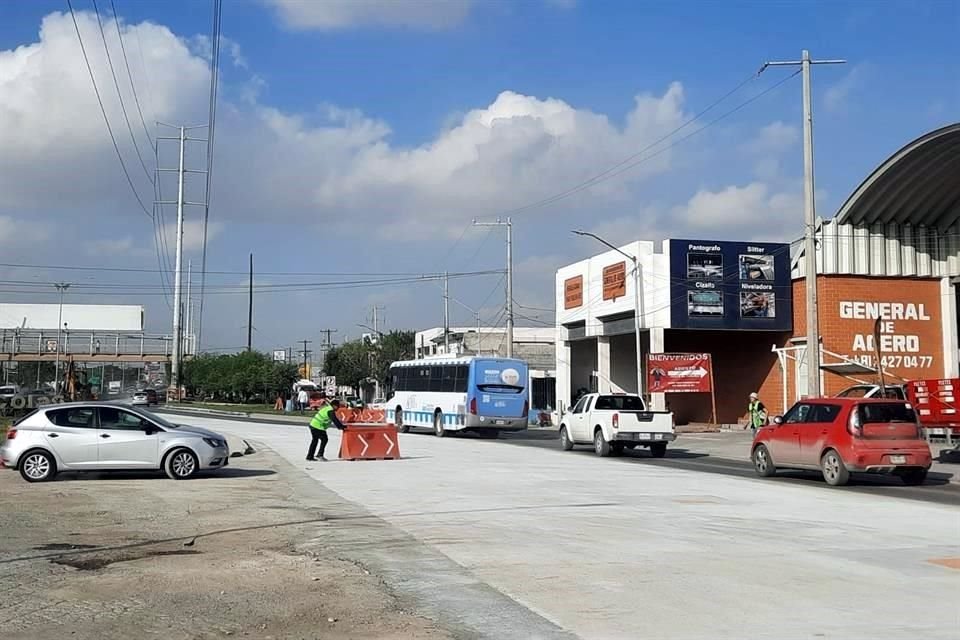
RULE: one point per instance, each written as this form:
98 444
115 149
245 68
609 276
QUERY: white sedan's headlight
216 444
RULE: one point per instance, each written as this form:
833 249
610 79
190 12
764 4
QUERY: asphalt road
937 490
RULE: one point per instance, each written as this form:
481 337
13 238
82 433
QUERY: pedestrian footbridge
33 345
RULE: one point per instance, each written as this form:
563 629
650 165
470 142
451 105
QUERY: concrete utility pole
250 310
177 338
446 313
189 318
810 219
62 288
508 223
180 202
637 303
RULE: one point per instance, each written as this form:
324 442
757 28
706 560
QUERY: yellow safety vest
321 420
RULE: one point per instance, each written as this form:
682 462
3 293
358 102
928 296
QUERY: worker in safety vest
325 417
756 413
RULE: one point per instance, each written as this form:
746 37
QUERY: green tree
350 363
238 376
393 346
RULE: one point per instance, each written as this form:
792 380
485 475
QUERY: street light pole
637 303
62 288
809 219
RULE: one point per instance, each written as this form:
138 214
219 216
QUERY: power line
126 62
18 265
116 84
211 130
106 120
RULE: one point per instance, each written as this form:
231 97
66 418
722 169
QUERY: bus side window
448 381
462 374
436 378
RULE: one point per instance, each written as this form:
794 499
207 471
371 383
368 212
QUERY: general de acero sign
901 338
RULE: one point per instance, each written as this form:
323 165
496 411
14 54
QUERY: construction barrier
369 442
361 416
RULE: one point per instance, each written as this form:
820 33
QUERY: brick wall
917 350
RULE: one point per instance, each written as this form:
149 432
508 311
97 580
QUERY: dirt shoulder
115 556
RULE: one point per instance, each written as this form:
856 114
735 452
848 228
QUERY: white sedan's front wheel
565 442
182 464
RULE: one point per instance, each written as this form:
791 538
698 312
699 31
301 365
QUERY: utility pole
177 338
250 310
306 353
189 319
326 346
446 313
62 288
508 223
810 219
180 202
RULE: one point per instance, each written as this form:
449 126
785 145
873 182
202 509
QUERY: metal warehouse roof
918 185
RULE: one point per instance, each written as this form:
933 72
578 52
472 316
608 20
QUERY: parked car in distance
612 422
890 391
145 398
102 436
840 436
353 402
8 391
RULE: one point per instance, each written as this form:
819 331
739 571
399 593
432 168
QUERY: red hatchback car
838 436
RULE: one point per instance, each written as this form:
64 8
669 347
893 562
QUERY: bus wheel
438 425
398 420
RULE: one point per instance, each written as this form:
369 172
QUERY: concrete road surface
606 549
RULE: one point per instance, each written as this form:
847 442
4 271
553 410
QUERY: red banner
679 373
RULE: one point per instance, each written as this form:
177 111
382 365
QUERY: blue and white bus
480 394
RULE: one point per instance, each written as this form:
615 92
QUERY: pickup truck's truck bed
612 422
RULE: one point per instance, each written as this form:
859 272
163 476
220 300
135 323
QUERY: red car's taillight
11 434
473 406
526 408
616 421
853 424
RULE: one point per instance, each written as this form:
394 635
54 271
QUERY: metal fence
36 342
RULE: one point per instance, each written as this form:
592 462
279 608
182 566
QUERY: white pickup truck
612 422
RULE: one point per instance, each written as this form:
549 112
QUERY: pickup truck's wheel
658 449
565 442
762 462
600 444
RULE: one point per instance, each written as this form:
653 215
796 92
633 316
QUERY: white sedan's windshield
154 417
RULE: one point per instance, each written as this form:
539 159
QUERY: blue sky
364 137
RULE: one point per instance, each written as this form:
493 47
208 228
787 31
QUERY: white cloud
754 211
775 137
17 232
342 14
51 128
192 235
125 246
333 166
837 95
